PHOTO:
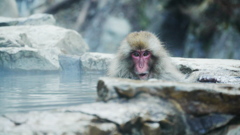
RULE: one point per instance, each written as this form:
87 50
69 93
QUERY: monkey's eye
136 54
146 53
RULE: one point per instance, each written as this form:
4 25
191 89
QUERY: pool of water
23 92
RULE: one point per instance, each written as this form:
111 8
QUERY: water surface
23 92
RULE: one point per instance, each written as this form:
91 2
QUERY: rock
233 129
212 106
49 122
131 114
70 63
37 19
151 129
204 124
95 61
47 42
8 8
207 97
24 59
88 62
127 109
210 69
103 129
230 129
188 65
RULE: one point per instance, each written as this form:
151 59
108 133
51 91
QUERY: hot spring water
23 92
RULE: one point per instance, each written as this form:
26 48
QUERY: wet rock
70 63
204 124
151 129
208 98
188 65
47 42
233 129
52 123
131 115
88 62
128 110
95 61
24 59
205 107
103 129
37 19
211 70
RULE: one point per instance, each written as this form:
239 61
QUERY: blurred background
188 28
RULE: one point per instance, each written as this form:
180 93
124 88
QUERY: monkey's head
141 50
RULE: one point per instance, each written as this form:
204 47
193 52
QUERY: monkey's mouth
143 76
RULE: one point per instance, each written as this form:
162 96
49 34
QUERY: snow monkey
142 56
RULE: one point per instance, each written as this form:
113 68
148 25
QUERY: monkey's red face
141 60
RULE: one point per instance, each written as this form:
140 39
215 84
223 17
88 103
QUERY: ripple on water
36 92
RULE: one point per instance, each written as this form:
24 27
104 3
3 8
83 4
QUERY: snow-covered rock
37 47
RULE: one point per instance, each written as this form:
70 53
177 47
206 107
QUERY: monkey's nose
141 63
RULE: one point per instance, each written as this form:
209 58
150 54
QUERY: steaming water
24 92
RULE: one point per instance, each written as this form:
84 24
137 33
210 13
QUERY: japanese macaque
142 56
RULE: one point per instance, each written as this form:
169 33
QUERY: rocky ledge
131 107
